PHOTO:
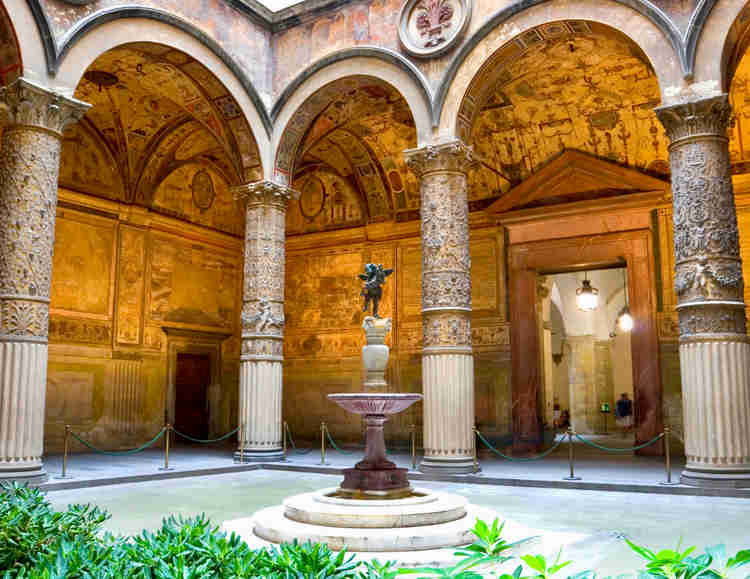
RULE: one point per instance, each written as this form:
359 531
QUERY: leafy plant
310 561
676 564
539 564
376 570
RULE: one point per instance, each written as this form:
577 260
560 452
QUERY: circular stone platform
419 530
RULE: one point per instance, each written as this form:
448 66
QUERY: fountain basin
377 403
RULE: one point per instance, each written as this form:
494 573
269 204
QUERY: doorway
585 350
192 379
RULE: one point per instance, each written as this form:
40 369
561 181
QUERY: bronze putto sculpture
374 278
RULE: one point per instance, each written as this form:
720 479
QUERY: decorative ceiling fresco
347 157
163 133
10 55
739 133
565 85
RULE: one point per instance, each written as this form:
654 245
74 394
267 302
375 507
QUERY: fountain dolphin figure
374 278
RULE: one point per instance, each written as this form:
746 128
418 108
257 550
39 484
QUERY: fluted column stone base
448 407
716 396
260 405
23 370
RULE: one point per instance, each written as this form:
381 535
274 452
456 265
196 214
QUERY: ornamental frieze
263 317
712 319
701 280
269 348
447 329
79 330
23 319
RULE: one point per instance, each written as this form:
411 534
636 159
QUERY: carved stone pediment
576 176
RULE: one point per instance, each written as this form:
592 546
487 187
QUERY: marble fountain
375 512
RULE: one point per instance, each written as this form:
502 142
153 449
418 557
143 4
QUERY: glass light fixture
587 297
624 319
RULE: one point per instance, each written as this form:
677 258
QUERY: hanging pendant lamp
624 319
587 297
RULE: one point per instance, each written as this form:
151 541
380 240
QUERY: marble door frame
526 260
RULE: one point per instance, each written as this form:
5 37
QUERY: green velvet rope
206 441
629 449
520 459
294 446
119 452
336 446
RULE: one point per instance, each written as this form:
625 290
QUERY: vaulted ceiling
163 133
350 167
566 85
10 55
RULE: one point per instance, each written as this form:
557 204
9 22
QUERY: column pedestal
29 167
447 359
714 348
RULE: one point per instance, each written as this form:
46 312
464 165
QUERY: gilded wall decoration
70 393
192 284
327 201
84 331
10 54
82 265
591 89
130 288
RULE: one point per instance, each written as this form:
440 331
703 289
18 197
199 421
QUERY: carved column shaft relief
263 285
446 261
29 166
708 268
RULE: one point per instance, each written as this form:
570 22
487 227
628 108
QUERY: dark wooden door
191 394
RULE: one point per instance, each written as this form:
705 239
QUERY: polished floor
590 525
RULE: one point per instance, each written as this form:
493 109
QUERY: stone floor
589 524
598 470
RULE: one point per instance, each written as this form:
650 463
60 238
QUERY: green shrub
37 542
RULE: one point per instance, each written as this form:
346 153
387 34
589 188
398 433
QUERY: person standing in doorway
624 413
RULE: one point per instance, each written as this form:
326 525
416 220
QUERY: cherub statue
374 278
264 318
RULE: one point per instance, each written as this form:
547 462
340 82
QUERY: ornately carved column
714 347
29 163
263 318
447 359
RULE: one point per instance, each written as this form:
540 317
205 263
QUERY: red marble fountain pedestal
375 477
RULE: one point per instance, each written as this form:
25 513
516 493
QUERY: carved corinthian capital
265 193
25 104
704 117
451 156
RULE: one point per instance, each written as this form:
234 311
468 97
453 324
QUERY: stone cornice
26 104
706 117
264 192
451 156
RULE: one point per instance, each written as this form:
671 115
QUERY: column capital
26 104
265 192
708 116
448 156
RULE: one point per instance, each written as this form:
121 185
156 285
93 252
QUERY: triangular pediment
576 176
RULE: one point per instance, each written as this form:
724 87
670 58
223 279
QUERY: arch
649 29
108 29
307 98
716 62
11 64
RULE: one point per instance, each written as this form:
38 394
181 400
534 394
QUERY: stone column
29 163
447 359
714 347
263 319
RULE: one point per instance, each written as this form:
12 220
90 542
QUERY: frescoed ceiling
739 133
350 167
10 57
164 133
566 85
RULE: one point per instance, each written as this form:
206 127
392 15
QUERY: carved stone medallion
430 27
203 190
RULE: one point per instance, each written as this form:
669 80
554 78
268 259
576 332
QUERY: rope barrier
336 446
207 440
629 449
520 459
291 441
119 452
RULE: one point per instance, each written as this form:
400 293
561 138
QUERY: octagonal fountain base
422 529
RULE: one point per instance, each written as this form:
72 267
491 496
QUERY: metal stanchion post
474 449
242 443
413 429
168 428
286 427
322 443
668 459
570 456
66 450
